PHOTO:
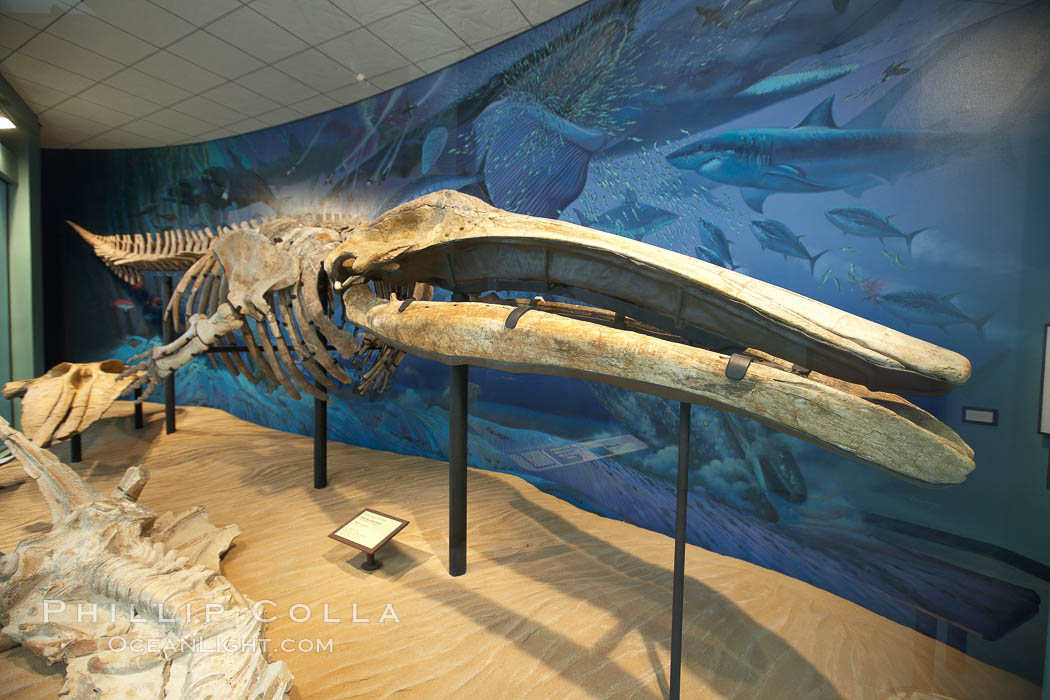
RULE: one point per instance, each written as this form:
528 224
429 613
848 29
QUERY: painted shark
816 155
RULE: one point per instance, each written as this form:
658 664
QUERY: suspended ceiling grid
144 73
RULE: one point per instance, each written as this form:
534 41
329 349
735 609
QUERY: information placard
369 530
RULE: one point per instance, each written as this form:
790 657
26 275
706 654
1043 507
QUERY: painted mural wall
888 158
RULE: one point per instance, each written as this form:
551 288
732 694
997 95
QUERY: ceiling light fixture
5 120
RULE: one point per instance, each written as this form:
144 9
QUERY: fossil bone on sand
68 398
133 603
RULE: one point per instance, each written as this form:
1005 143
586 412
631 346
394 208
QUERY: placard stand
368 531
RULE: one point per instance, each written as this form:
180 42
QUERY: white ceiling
140 73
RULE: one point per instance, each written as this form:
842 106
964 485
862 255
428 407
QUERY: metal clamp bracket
512 318
737 366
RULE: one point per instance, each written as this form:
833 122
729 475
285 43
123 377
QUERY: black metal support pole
926 623
169 383
138 411
457 466
957 638
320 442
678 596
75 453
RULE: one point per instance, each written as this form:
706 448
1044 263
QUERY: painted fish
775 236
707 255
711 237
816 155
433 147
893 70
926 308
857 221
632 218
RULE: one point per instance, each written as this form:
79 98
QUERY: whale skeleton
637 316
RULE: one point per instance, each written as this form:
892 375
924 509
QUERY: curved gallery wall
910 195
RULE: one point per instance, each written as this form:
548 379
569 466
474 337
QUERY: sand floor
556 602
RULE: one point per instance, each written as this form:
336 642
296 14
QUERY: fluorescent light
6 123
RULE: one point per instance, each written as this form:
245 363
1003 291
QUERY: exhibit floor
556 602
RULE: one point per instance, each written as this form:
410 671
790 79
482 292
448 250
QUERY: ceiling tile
36 93
436 63
14 33
247 125
59 52
117 138
316 70
159 131
391 80
35 14
199 12
363 52
207 110
492 41
119 100
214 134
57 137
139 84
142 19
368 11
313 21
70 126
539 11
281 115
95 112
251 32
29 68
241 99
314 105
178 71
276 85
215 54
179 122
34 107
416 33
476 21
92 33
353 92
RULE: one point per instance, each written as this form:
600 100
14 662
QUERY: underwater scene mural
880 156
